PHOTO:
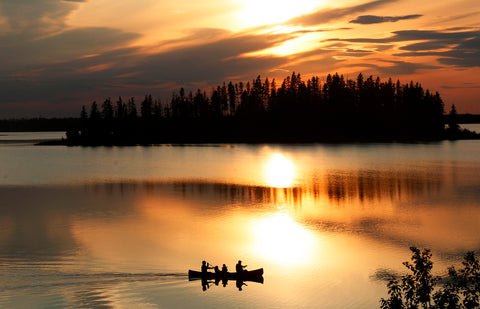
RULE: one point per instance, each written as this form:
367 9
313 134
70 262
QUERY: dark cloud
36 35
36 17
214 60
429 45
453 48
128 72
373 19
463 54
461 87
327 15
20 55
358 52
396 67
417 35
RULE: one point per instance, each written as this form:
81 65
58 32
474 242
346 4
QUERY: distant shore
67 124
198 140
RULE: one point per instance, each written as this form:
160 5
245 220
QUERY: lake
119 227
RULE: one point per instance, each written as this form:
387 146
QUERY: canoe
247 275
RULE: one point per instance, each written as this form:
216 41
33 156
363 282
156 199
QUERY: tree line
295 110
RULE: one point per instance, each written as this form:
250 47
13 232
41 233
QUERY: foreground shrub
418 288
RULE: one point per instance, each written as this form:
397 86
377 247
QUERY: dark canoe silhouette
247 275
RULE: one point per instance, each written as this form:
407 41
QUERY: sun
264 12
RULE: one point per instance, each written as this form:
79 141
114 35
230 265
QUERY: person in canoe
205 267
239 267
224 269
224 275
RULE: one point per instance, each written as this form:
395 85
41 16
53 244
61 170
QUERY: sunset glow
265 12
60 55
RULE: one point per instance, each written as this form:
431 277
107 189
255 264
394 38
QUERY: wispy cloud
397 67
416 35
460 49
451 48
466 54
326 15
461 87
373 19
67 45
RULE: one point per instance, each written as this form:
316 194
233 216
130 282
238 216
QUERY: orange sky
57 55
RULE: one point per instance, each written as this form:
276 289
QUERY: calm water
119 227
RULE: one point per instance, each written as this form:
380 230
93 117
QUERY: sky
57 55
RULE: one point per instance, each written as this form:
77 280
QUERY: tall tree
94 112
107 110
453 120
146 107
131 109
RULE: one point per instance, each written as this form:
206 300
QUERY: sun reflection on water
279 239
280 171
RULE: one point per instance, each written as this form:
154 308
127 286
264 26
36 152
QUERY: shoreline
285 141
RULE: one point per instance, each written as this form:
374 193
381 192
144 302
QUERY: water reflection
279 239
334 224
280 171
376 204
60 221
337 187
207 283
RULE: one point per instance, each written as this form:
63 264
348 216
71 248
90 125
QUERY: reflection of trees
378 185
39 221
360 187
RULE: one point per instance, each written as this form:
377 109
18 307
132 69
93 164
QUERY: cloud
416 35
358 52
327 15
129 72
37 35
373 19
35 17
461 87
461 16
215 60
204 34
27 53
396 67
463 54
429 45
452 48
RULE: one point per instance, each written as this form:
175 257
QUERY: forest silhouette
293 111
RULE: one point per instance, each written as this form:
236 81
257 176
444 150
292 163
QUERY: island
334 109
